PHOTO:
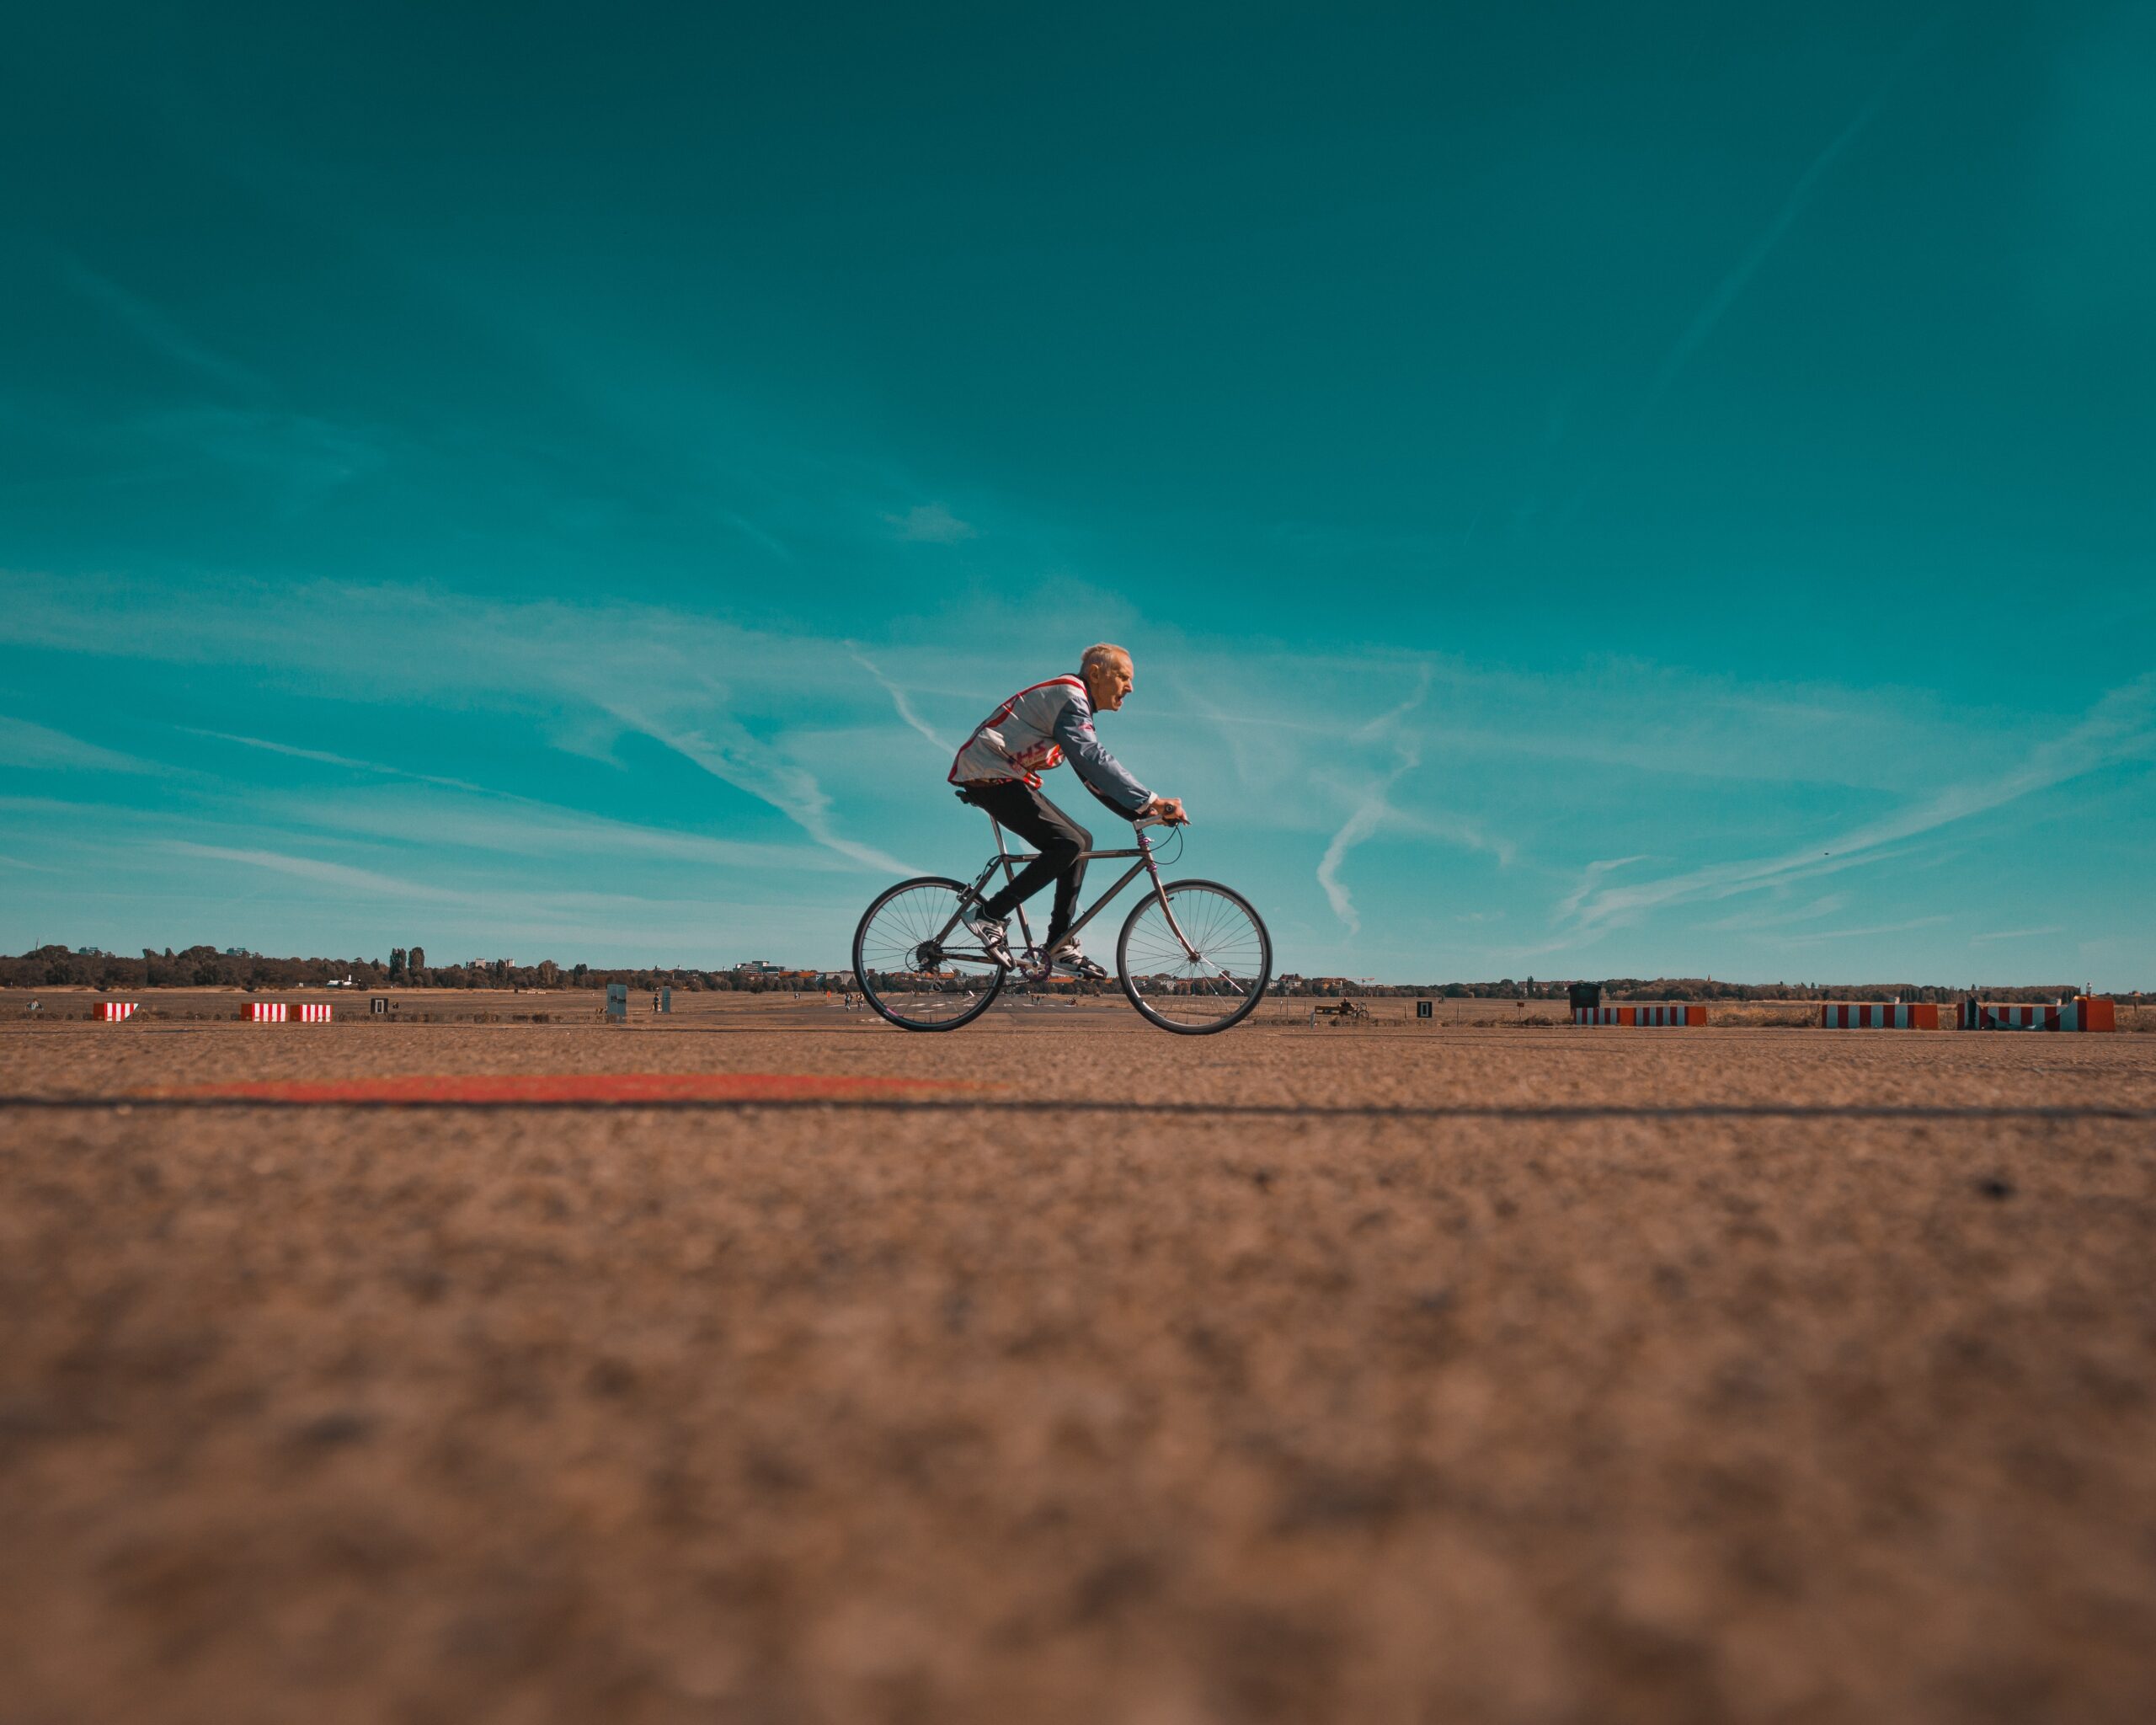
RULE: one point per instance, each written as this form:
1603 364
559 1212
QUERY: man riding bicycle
999 770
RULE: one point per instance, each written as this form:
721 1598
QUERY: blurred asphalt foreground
1400 1375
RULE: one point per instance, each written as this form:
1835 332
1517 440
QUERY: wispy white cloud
1378 813
1978 940
153 327
558 659
1731 286
1569 905
1368 815
1812 937
520 826
293 750
1752 922
37 746
489 918
729 751
1455 830
305 458
803 727
756 534
327 759
340 875
2122 726
662 662
1388 721
930 524
1375 809
900 699
643 669
1727 291
1240 734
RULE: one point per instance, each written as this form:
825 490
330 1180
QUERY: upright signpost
665 1000
1421 1009
617 1002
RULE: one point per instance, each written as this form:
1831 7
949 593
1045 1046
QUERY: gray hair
1100 653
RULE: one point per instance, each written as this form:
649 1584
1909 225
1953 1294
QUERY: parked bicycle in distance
1193 956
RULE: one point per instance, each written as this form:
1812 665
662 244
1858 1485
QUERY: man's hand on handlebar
1167 808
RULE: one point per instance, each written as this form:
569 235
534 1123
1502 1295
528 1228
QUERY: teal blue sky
1590 490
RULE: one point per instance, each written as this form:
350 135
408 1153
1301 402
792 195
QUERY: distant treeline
207 967
1691 988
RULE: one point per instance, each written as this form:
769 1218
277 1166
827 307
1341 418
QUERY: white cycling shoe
1070 958
989 934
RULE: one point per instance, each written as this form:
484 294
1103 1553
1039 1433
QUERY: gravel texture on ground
1398 1374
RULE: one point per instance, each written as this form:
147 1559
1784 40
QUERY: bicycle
1194 957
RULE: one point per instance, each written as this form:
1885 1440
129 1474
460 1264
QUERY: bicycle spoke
910 977
1218 986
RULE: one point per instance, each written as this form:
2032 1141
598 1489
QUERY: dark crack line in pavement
1439 1111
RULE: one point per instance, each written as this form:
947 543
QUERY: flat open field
1059 1369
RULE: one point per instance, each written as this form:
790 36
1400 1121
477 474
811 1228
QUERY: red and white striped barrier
112 1011
280 1012
1860 1015
1663 1018
2079 1013
1668 1017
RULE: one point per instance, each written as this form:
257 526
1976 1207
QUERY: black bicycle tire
861 972
1131 994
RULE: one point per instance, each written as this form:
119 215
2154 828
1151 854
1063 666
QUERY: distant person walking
999 771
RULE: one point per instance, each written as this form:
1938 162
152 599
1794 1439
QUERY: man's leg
1067 883
1060 842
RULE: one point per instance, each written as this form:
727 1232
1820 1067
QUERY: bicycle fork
1167 909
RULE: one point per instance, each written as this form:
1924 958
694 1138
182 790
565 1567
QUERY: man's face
1107 682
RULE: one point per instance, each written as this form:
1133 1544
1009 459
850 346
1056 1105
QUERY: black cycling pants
1060 840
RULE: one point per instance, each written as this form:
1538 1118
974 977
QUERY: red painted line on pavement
628 1087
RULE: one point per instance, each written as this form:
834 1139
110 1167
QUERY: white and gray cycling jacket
1037 729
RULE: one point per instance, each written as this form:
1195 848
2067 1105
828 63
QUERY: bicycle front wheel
918 964
1198 965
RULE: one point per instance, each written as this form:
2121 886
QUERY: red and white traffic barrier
1645 1017
280 1012
2080 1013
1873 1015
1669 1017
113 1011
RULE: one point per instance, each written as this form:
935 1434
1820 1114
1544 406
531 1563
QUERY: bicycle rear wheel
1204 971
918 964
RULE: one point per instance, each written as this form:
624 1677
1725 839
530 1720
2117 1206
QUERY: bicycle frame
1011 864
